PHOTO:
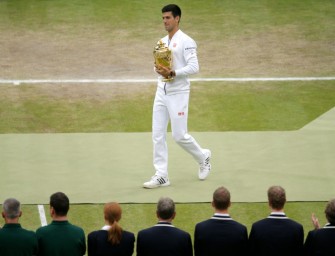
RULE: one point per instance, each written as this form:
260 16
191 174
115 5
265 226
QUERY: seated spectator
321 240
164 239
276 234
111 239
60 237
220 233
14 240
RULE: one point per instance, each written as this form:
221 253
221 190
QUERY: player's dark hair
60 202
176 11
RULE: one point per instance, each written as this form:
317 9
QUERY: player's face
170 22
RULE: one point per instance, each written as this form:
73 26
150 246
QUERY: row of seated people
220 235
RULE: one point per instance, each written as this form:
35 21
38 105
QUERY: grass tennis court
114 39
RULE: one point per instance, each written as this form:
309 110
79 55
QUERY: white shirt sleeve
189 52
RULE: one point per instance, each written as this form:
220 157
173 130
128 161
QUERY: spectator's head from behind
165 209
276 198
221 199
11 210
112 212
330 211
59 204
112 215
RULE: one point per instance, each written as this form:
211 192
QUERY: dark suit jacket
321 242
276 235
163 239
220 235
98 245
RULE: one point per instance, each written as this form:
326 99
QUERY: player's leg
160 120
178 109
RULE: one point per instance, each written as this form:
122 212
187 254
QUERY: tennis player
172 99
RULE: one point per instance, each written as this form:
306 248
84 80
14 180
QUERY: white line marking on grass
217 79
42 215
255 79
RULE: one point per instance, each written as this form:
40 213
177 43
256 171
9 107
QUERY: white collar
106 227
277 213
328 225
221 214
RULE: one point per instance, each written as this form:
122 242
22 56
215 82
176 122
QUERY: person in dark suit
164 239
321 240
220 233
111 239
276 234
15 240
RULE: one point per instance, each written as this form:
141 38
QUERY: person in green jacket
60 237
15 240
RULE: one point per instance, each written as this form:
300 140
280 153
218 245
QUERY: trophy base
167 79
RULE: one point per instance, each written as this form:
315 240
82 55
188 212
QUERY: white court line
42 215
218 79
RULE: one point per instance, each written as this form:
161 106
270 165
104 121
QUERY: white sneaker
205 166
157 181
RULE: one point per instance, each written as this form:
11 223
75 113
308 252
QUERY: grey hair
165 208
11 208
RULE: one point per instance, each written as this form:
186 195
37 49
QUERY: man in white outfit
171 101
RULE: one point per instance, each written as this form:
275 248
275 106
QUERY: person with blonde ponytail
111 240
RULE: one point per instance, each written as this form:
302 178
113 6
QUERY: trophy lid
160 45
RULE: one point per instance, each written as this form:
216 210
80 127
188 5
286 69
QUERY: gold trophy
163 56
